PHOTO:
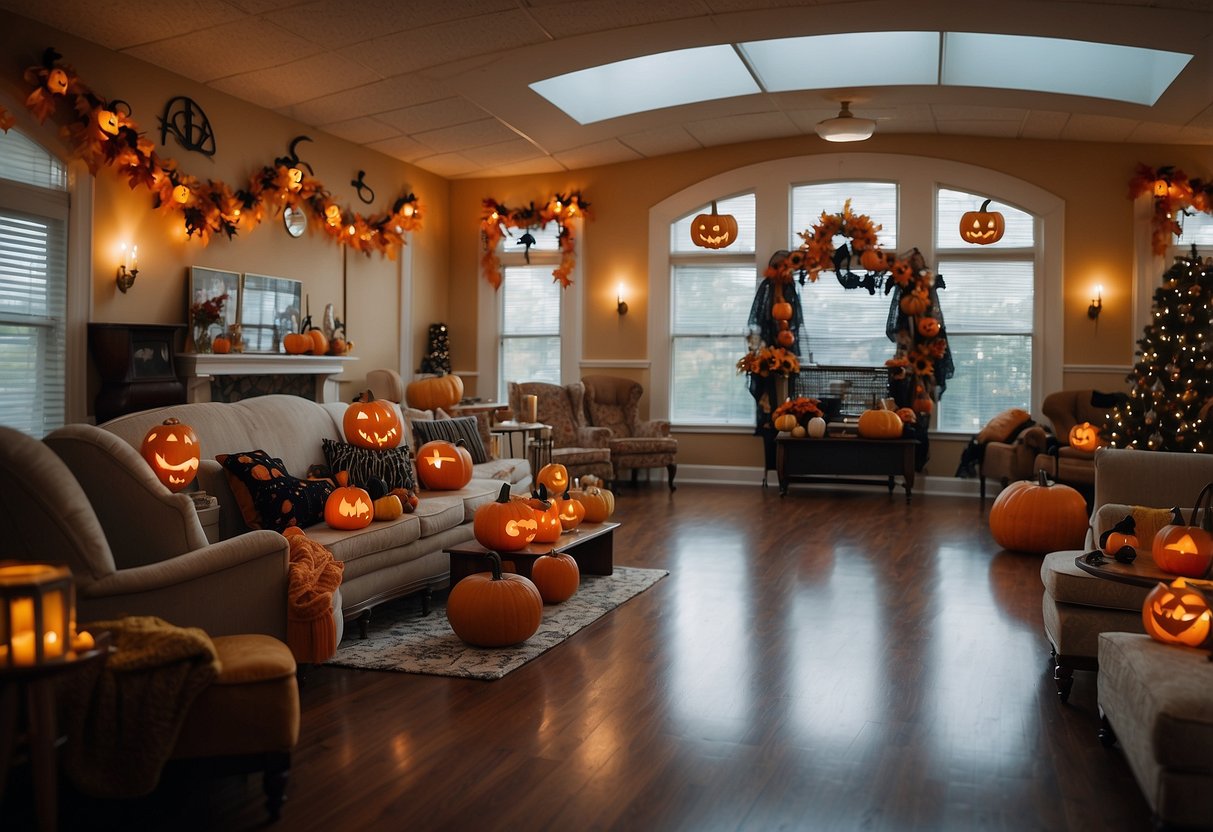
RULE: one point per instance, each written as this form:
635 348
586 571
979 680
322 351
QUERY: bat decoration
528 240
185 121
363 188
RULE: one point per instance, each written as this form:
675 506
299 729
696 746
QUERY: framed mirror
205 313
270 307
294 220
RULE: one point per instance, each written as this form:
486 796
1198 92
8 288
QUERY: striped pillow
392 465
463 427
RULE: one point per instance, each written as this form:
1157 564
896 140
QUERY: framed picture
270 308
208 284
152 354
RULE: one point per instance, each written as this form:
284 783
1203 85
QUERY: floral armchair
575 445
614 403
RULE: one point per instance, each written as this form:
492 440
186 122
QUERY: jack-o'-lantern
444 466
181 194
547 516
1183 550
172 450
714 230
572 512
555 477
928 327
348 507
816 427
505 525
56 81
107 122
1085 437
1177 614
491 609
371 423
983 226
556 576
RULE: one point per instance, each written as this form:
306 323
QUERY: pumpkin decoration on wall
444 466
714 230
491 609
1177 614
434 392
505 525
1085 437
371 423
1038 517
983 226
172 450
348 507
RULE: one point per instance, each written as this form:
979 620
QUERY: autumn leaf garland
496 219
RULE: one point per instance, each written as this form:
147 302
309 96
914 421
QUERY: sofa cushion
1068 584
439 512
1148 521
644 445
452 430
392 465
349 545
268 496
506 470
580 456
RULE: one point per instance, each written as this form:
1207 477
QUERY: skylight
1074 67
826 61
667 79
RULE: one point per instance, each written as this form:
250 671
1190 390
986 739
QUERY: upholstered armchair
575 445
614 403
1010 444
1065 409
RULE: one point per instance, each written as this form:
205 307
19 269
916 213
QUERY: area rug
405 641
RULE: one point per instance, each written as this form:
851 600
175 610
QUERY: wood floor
828 660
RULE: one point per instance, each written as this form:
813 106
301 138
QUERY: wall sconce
128 269
1096 304
620 305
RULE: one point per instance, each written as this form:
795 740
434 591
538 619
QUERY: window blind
876 199
530 326
22 160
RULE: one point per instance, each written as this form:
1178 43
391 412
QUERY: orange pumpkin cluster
102 135
1174 195
496 219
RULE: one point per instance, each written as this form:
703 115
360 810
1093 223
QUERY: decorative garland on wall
496 220
1175 196
101 133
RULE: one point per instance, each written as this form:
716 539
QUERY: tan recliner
614 403
1066 409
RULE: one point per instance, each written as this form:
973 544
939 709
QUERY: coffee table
592 545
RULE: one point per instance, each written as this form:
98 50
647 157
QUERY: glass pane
713 300
706 386
843 326
993 373
741 207
23 160
952 205
987 295
530 301
876 199
1198 229
529 358
32 378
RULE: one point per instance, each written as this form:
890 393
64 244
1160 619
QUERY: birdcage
843 391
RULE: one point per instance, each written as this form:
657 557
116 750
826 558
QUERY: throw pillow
1148 520
1005 426
392 465
268 496
463 427
483 427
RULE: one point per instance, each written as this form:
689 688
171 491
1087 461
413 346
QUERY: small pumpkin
504 525
1038 517
785 338
714 230
1177 614
388 507
296 343
547 516
221 345
1085 437
173 452
983 226
880 424
799 432
408 499
915 302
816 427
1121 537
107 122
928 327
781 311
371 423
599 503
320 343
556 576
572 512
444 466
491 609
434 392
555 477
348 507
785 421
56 81
874 260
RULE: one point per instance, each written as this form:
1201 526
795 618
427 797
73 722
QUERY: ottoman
1158 699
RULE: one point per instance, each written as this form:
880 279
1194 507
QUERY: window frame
918 178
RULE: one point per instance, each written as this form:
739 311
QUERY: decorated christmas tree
1172 392
438 356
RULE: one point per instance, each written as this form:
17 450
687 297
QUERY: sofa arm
591 437
231 587
653 428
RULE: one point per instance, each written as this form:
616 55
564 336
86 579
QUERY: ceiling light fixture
845 127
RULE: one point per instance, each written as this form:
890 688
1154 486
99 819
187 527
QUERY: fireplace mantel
199 368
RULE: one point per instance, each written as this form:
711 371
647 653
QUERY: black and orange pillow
269 497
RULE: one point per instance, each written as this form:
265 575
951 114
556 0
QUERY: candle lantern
37 604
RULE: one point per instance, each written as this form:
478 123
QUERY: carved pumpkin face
928 327
555 477
444 466
572 512
982 227
714 230
181 194
1183 550
505 525
1085 437
107 122
56 81
370 422
547 520
332 215
173 451
294 179
348 507
1177 614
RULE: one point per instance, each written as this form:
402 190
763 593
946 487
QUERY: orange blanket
311 631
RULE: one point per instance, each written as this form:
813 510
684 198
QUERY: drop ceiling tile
1196 135
1148 133
228 49
980 127
475 134
971 112
297 81
342 24
447 164
367 99
545 164
361 130
402 52
117 24
563 19
402 148
742 128
266 6
661 141
1044 124
502 153
1085 127
599 153
434 115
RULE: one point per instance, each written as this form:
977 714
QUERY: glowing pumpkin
572 512
490 609
107 122
348 507
983 226
547 516
1038 517
172 450
371 423
555 477
56 81
556 576
1183 550
444 466
714 230
1085 437
505 525
1177 614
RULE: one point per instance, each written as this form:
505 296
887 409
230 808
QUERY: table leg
594 556
907 471
41 704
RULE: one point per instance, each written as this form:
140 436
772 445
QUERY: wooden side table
529 431
840 458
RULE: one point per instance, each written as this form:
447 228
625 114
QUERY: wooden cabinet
137 367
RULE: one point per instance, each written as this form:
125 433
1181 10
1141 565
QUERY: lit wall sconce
620 305
128 269
1096 304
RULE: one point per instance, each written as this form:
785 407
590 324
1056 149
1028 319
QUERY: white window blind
530 326
876 199
33 286
547 240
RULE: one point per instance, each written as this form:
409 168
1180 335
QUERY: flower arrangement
800 407
767 360
207 312
560 208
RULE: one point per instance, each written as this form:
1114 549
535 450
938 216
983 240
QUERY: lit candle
531 408
23 648
83 642
132 263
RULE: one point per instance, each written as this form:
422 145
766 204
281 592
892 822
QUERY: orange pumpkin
107 122
785 338
371 423
1183 550
556 576
505 525
555 477
221 345
915 302
784 421
444 466
1038 517
296 343
598 502
983 226
880 424
437 391
490 609
1177 614
56 81
1085 437
348 507
781 311
714 230
172 450
547 517
928 327
320 343
572 512
874 260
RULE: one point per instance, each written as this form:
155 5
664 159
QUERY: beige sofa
382 561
